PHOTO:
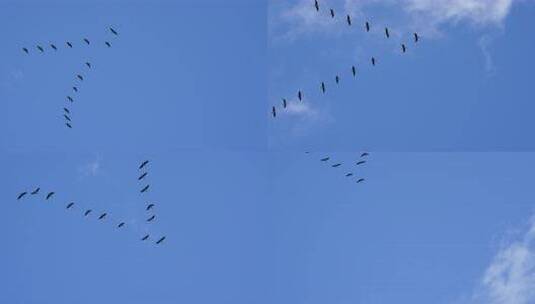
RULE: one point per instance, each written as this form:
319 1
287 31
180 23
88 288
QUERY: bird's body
349 174
25 50
284 103
145 188
364 154
103 215
360 180
160 240
323 87
325 159
69 44
354 71
143 164
150 219
348 20
34 192
70 205
86 213
49 195
68 125
40 48
387 32
373 61
80 77
273 112
142 176
332 13
300 95
70 99
21 195
145 237
337 79
75 89
67 117
361 162
108 44
121 224
66 110
317 5
416 37
86 41
114 31
53 47
88 64
150 206
367 26
336 165
403 48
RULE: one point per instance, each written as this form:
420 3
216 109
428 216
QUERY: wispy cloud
90 169
510 278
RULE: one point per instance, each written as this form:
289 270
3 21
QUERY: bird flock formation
103 215
349 174
79 76
353 68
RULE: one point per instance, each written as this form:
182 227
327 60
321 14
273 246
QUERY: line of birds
373 60
361 161
79 76
102 216
144 189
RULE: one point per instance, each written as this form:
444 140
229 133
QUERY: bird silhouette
25 50
68 125
273 112
317 5
149 207
150 219
70 99
34 192
66 110
337 79
323 87
332 13
121 224
67 117
160 240
348 20
70 205
145 237
284 103
142 176
349 174
53 47
361 162
373 61
354 71
416 37
69 44
86 41
360 180
387 32
336 165
40 48
21 195
114 31
108 44
145 188
364 154
143 164
88 64
103 215
49 195
403 48
300 95
325 159
75 89
367 26
80 77
86 213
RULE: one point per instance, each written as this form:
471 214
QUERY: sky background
249 217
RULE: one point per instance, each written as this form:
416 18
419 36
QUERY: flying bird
150 219
54 47
145 188
142 176
361 162
68 125
323 87
80 77
273 112
149 207
40 48
86 213
75 89
70 99
332 13
337 79
114 31
373 61
86 41
317 5
360 180
25 50
416 37
103 215
349 174
70 205
387 33
108 44
121 224
143 164
336 165
300 95
67 117
88 64
284 103
66 110
367 26
145 237
34 192
49 195
21 195
325 159
403 48
354 71
69 44
160 240
348 20
364 154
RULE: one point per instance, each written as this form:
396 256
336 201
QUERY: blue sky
249 217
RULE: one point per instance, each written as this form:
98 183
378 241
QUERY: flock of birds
361 161
79 76
353 70
105 215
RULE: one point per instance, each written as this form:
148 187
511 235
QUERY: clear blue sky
250 218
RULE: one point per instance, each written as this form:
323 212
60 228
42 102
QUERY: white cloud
484 44
90 169
510 278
